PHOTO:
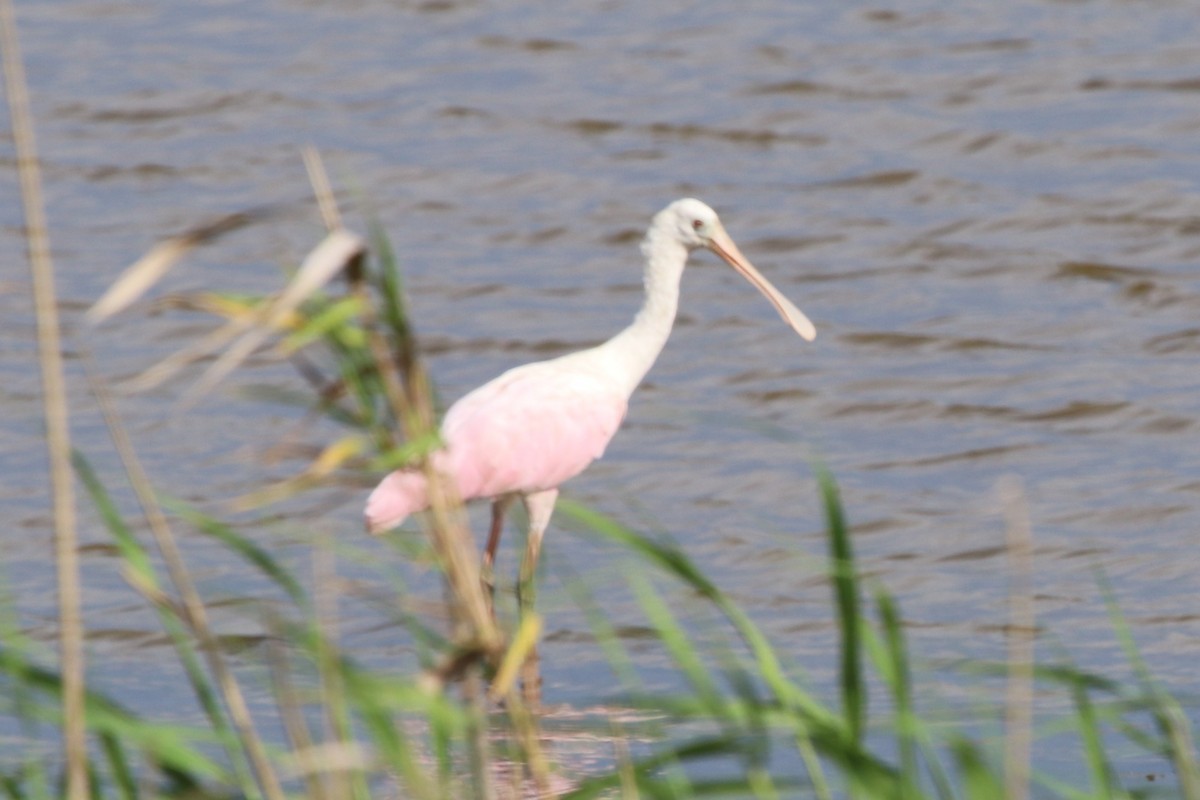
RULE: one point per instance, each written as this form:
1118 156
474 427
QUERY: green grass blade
1171 720
331 319
979 781
603 630
1093 746
119 767
22 696
407 454
898 677
390 285
14 788
846 601
814 723
644 770
676 563
134 557
676 640
140 571
242 546
168 745
360 381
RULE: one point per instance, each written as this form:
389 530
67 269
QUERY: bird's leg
540 506
487 574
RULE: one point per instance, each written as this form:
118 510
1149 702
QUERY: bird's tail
398 495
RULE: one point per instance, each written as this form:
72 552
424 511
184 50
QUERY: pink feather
528 430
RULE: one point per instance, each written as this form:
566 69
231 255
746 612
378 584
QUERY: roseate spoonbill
535 426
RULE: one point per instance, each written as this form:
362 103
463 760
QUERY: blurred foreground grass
743 725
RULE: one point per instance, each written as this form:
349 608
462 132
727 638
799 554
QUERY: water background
991 212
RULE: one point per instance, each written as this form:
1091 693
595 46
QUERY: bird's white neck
632 352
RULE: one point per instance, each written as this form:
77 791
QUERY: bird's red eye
697 224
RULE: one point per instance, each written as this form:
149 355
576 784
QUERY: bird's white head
693 224
690 221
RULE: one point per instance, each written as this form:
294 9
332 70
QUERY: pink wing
530 429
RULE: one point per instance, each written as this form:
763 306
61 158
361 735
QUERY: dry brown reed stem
327 260
322 189
291 714
164 370
54 400
332 695
446 523
456 548
528 733
333 757
474 628
407 391
148 270
479 747
1183 750
195 614
1018 726
408 397
621 755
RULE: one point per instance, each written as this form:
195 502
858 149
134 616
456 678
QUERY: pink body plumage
528 430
